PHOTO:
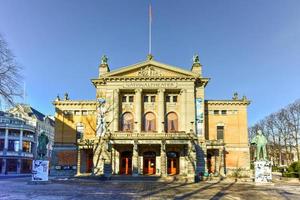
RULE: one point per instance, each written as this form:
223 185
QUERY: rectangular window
220 132
146 99
224 112
152 98
168 98
174 98
130 99
77 112
84 112
216 112
124 99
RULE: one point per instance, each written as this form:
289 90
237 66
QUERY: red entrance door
149 166
126 163
89 163
173 163
172 166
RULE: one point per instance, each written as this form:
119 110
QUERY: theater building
150 118
17 145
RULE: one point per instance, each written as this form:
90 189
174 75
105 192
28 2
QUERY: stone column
21 141
161 110
6 141
163 156
116 110
78 161
135 158
138 110
183 111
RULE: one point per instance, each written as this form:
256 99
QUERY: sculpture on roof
235 96
149 57
104 60
196 58
66 96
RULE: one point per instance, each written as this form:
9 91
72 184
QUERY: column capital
182 91
161 90
138 90
117 90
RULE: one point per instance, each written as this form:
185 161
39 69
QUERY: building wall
159 80
235 130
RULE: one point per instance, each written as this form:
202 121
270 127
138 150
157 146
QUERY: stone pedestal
263 171
40 170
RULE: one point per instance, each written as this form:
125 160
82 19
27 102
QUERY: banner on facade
199 116
40 170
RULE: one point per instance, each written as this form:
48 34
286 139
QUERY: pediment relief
151 70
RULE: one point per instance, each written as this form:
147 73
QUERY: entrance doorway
89 160
173 163
126 163
149 163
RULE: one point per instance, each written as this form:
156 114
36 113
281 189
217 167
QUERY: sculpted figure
196 58
260 141
42 146
104 59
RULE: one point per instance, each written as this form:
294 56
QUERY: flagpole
150 28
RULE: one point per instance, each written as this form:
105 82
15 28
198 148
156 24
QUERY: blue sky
251 47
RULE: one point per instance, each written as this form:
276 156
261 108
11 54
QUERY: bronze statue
196 58
104 59
260 141
42 146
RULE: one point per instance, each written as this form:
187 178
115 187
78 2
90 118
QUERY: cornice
228 102
75 103
104 80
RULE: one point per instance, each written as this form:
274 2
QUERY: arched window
127 122
172 122
149 122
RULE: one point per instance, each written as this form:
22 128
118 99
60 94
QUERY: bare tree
282 130
10 77
96 143
293 118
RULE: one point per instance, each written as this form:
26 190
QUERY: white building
41 122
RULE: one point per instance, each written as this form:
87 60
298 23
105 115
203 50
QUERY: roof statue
67 96
196 59
57 98
235 96
149 57
104 59
260 141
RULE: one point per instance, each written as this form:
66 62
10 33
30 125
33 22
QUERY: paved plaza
18 188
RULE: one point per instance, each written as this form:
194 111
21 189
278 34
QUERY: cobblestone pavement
18 188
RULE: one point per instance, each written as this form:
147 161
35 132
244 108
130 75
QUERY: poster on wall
40 170
199 116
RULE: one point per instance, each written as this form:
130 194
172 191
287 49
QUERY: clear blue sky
252 47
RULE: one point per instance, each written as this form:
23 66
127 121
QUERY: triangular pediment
150 68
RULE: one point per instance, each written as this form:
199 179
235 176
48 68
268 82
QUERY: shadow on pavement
196 191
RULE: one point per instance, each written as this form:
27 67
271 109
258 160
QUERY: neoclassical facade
150 118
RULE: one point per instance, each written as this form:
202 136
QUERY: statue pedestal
263 171
40 169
